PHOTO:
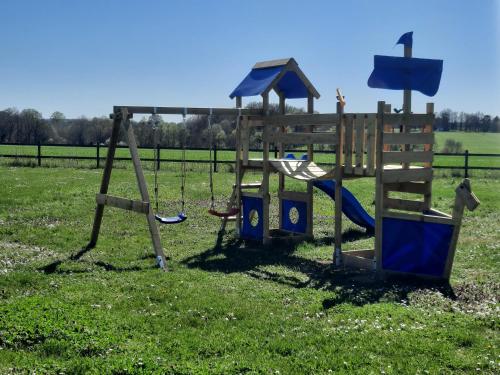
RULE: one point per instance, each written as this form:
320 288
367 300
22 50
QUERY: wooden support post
428 128
337 251
238 174
379 187
281 154
238 102
141 182
265 175
117 121
310 186
406 107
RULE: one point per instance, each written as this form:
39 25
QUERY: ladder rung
250 185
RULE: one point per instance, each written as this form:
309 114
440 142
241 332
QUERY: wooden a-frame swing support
143 206
121 118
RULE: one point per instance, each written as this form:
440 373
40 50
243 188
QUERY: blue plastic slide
350 205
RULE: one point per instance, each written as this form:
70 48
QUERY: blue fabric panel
292 86
301 225
414 246
256 81
406 39
403 73
247 230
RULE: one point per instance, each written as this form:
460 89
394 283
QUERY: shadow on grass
54 267
357 287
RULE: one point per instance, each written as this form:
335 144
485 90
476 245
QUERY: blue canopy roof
405 73
259 79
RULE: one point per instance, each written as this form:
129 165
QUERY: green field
228 309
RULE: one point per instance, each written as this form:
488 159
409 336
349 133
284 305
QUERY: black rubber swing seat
171 219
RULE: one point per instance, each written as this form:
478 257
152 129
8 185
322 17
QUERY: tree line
29 127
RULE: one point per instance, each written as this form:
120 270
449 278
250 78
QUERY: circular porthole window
253 218
293 215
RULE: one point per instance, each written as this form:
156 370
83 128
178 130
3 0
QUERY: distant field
474 142
484 143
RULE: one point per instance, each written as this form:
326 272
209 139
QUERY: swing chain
210 136
154 121
183 164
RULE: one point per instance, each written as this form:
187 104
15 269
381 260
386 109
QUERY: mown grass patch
234 307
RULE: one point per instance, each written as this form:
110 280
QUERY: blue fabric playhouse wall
247 230
414 246
301 225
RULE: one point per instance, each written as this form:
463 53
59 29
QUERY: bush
452 146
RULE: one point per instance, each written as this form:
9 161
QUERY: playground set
395 148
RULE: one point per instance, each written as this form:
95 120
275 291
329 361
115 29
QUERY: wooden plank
408 138
245 141
407 175
251 194
302 138
271 63
190 110
414 120
404 204
379 189
408 187
371 127
123 203
359 141
339 160
141 182
250 185
422 217
296 119
435 212
106 175
348 143
294 195
396 157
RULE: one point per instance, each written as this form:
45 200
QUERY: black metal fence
99 158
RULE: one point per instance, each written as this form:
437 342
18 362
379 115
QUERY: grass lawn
233 308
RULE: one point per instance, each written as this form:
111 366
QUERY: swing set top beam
188 110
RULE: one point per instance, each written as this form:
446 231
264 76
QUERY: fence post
157 156
39 154
466 164
97 156
275 152
215 157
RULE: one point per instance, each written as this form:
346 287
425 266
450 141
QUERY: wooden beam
408 138
123 203
141 182
296 119
404 204
302 138
106 176
420 217
190 110
408 187
414 120
397 157
407 175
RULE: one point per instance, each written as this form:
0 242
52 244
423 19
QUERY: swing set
121 120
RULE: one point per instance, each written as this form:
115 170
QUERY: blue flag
404 73
406 39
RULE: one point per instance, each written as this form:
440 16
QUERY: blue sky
83 57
